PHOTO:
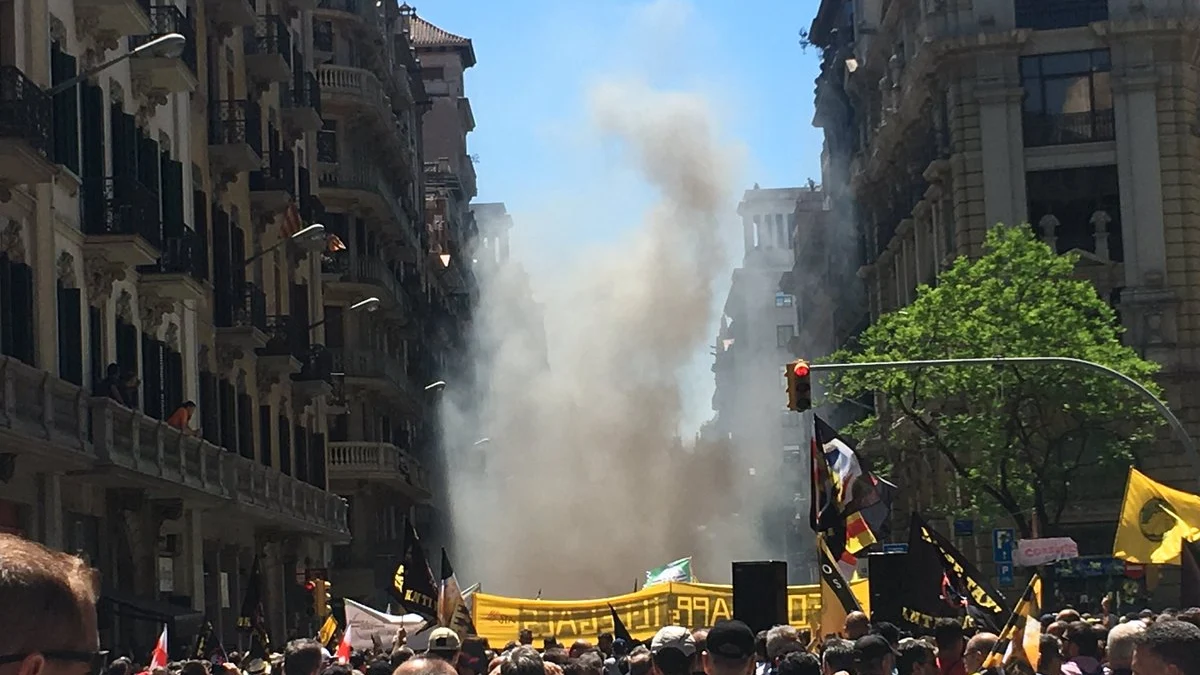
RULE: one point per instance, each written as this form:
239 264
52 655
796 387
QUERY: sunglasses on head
95 660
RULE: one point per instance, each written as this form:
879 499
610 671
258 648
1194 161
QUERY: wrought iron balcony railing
1055 14
269 36
121 205
233 122
186 253
240 306
372 364
316 363
304 92
24 110
165 19
1068 128
278 173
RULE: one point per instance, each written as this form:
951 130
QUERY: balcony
271 187
358 186
356 91
269 50
234 136
349 278
24 130
231 12
1056 14
181 271
121 220
379 372
1068 128
240 316
315 378
354 461
44 417
302 103
276 360
108 19
164 74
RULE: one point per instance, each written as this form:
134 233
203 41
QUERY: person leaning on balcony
48 611
182 417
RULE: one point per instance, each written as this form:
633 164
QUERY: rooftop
425 35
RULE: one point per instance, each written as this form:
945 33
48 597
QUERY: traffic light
799 386
320 596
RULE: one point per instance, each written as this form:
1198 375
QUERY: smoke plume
583 483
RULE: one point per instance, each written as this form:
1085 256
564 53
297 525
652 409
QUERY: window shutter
246 426
264 433
152 373
22 301
228 402
96 346
210 410
70 335
300 434
172 379
285 446
92 129
65 109
7 307
316 454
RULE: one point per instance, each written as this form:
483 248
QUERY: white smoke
585 483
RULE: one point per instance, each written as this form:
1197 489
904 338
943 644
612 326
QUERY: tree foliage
1019 440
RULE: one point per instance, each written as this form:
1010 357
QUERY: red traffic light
801 369
310 586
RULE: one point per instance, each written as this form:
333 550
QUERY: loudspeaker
886 572
760 593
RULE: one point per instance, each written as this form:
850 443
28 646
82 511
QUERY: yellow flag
325 635
1023 633
1155 519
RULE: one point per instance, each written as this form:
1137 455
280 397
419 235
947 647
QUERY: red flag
159 658
343 650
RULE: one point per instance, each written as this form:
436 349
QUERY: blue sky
536 60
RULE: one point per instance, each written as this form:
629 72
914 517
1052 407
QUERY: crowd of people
48 627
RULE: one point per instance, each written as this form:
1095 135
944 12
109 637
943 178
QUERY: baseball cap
872 647
443 639
674 637
731 640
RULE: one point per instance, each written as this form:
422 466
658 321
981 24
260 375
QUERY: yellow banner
499 619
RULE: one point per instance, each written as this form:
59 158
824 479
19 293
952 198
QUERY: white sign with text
1034 552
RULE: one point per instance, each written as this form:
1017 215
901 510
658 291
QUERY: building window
784 299
784 335
1068 98
327 150
433 74
1054 14
1068 207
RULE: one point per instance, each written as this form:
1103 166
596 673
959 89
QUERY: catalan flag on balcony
292 222
334 243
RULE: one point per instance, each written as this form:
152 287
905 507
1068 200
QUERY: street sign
964 527
1005 573
895 548
1002 545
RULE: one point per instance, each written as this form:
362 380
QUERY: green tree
1021 440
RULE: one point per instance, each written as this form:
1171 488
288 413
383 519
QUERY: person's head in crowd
121 666
640 662
951 644
194 667
889 631
591 663
729 649
1050 658
47 612
672 651
1167 648
429 666
916 658
400 655
578 647
780 641
556 655
605 643
1057 628
336 669
358 660
1046 620
621 648
444 644
857 625
873 656
379 667
978 647
1079 641
760 645
303 657
1119 648
799 663
524 660
838 655
1190 615
1068 615
700 637
525 636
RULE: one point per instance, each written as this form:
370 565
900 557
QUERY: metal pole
1181 433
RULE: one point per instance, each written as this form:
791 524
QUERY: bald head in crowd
425 666
47 609
978 647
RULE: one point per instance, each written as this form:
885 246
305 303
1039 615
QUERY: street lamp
482 441
167 46
368 305
306 237
436 386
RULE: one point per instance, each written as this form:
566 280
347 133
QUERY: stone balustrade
380 461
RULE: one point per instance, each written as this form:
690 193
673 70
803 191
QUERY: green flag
679 570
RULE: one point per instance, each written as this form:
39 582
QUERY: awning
185 619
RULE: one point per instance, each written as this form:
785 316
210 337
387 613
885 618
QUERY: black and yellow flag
413 584
1155 521
452 609
252 618
837 600
327 631
961 579
207 642
1023 632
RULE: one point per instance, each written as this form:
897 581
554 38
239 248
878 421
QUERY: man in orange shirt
182 417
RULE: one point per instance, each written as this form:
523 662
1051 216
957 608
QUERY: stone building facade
1080 117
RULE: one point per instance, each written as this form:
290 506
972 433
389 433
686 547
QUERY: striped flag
158 659
1023 633
835 506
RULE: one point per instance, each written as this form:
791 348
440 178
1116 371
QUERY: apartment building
757 334
1079 116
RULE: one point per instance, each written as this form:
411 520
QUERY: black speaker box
886 572
760 593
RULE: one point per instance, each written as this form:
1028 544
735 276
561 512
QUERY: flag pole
1012 618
